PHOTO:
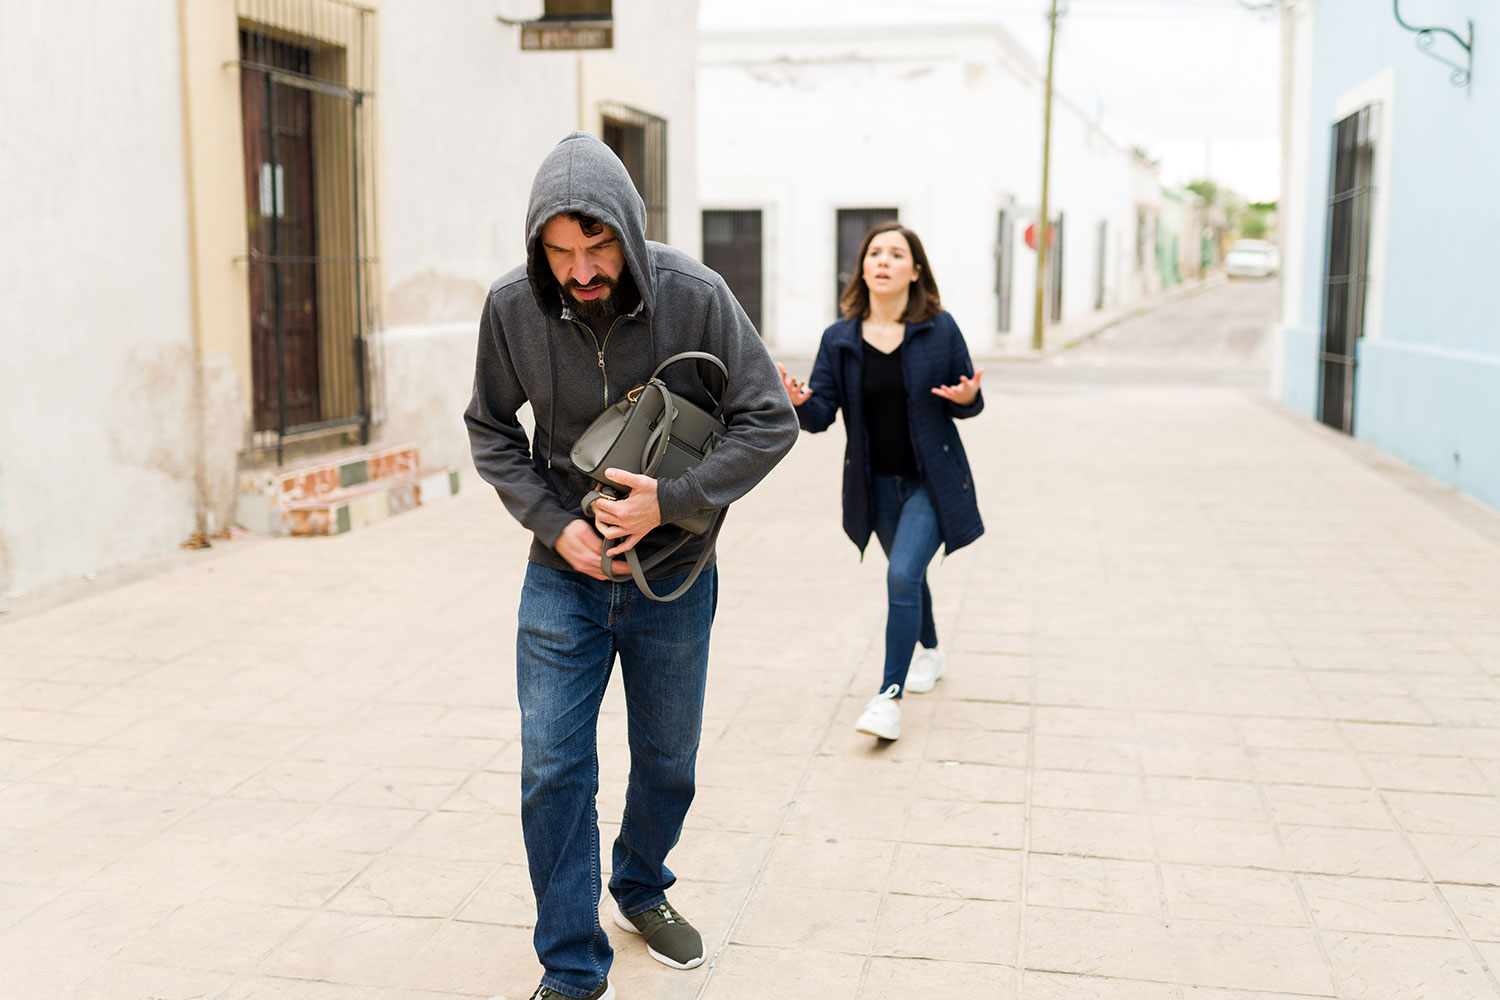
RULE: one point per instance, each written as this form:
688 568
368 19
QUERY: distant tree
1256 220
1205 189
1145 154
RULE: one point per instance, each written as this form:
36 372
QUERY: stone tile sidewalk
1221 722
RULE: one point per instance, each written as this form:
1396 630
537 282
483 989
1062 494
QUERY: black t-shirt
884 391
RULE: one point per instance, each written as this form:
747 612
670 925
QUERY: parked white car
1252 259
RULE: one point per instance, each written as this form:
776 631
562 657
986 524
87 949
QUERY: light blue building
1391 216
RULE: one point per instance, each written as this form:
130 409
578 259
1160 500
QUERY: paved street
1215 338
1221 722
1226 328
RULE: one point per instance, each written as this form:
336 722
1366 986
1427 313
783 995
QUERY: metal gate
853 224
1346 268
1004 267
305 97
1100 262
732 247
1054 271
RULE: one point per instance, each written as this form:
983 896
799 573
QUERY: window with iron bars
306 79
576 10
639 139
1346 266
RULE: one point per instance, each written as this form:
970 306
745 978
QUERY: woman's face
888 266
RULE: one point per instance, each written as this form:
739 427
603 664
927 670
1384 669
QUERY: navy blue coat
933 353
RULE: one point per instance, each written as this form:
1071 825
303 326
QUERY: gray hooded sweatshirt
532 350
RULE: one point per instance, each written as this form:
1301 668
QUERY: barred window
732 247
576 10
639 139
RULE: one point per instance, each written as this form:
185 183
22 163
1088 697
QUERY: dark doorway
1100 260
1005 239
305 101
1054 271
283 235
1346 268
853 224
732 247
306 94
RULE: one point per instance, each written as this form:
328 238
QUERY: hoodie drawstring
551 390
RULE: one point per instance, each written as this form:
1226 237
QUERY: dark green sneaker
670 939
605 992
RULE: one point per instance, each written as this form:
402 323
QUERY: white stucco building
468 117
188 185
809 135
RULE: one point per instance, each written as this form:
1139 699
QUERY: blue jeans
571 628
907 528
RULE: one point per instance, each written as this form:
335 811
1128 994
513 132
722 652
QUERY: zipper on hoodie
600 350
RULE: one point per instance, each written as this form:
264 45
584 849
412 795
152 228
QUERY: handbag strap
699 356
656 442
638 568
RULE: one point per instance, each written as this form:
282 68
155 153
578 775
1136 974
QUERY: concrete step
338 492
324 474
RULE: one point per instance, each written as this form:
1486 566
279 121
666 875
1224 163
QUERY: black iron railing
1346 264
307 94
639 139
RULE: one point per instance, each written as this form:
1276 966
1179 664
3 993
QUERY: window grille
639 139
732 247
306 87
576 10
1004 270
853 224
1346 264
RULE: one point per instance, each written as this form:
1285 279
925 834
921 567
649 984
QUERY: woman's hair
923 301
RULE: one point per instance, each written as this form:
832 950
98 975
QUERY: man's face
587 268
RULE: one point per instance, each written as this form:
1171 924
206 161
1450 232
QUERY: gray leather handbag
655 432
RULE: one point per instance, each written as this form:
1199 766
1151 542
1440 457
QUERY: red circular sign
1031 236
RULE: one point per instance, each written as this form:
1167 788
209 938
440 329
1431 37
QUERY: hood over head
582 174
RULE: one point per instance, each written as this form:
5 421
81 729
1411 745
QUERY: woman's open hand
797 392
962 394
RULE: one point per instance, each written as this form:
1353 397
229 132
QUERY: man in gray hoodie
594 310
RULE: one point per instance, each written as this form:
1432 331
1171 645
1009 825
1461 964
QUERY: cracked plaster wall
97 437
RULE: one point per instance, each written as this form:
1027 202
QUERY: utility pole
1044 225
1288 84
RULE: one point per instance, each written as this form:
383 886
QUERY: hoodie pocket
569 487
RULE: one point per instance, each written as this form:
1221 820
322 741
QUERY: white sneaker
926 667
882 716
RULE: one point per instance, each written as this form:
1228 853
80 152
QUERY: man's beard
601 307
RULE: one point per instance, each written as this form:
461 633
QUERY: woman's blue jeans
907 528
571 628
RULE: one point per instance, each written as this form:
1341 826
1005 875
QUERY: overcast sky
1196 83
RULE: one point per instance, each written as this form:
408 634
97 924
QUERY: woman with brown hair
897 365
